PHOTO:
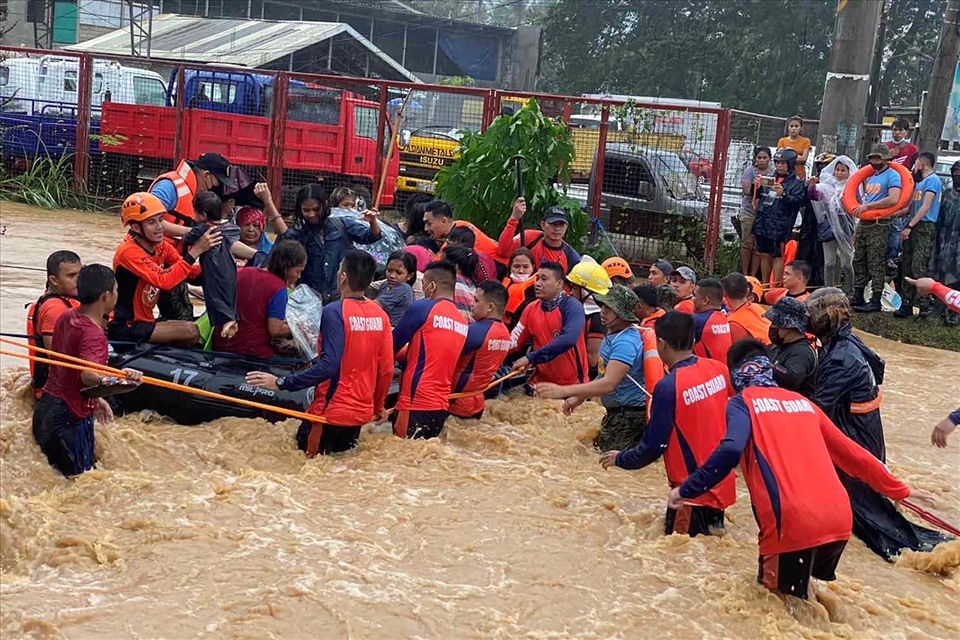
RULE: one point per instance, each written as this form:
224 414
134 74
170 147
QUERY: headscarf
829 311
251 215
755 371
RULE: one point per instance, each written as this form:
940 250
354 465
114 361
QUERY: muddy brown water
509 528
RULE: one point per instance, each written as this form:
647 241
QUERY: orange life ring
850 202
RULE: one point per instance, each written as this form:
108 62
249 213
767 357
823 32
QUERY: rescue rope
932 518
21 267
85 365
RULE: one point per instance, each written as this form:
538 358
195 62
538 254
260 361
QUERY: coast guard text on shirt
767 405
704 390
363 323
441 322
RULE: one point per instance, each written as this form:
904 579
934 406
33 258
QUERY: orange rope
89 366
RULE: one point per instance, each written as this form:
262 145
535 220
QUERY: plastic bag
390 239
303 316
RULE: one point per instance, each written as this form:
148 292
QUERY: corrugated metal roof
251 43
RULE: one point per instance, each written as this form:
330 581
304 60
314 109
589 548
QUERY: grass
47 183
929 332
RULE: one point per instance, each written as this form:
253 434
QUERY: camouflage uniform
622 429
916 256
868 255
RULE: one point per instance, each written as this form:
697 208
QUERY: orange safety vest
653 370
773 296
40 371
750 317
516 293
185 181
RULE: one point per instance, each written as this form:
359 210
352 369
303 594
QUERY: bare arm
278 328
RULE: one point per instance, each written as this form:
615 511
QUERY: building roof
251 43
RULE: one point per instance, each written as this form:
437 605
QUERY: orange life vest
653 371
516 293
750 318
40 371
185 181
773 296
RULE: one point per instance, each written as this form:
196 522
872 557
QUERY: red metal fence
652 176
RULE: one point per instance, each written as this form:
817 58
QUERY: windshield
441 115
680 181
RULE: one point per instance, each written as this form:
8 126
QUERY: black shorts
694 521
130 331
314 438
66 440
789 573
418 425
770 247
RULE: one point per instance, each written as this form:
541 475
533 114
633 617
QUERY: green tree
481 184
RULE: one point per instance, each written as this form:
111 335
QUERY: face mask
877 166
774 334
520 277
956 182
917 176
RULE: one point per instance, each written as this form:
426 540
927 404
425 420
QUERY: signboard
951 124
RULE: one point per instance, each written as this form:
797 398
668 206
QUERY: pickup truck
331 134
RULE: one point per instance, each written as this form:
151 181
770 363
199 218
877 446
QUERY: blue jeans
893 242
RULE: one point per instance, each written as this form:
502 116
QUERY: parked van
645 191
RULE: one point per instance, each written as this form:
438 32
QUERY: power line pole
941 80
848 77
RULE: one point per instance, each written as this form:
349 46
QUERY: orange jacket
748 322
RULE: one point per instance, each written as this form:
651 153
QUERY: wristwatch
280 381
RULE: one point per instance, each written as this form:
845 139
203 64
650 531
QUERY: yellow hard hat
590 275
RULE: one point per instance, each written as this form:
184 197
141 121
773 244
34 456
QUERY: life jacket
750 318
648 322
516 296
653 370
773 296
185 181
789 255
40 371
685 305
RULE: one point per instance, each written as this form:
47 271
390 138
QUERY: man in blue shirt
621 382
881 190
919 233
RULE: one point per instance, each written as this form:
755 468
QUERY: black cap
556 214
218 166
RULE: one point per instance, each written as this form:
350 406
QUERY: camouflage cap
789 313
881 150
622 301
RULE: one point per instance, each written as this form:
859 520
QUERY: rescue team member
659 274
625 356
683 280
712 329
685 427
488 343
554 324
802 509
619 271
756 289
146 264
176 190
60 295
518 284
63 418
587 280
793 357
547 245
951 298
353 367
435 332
881 190
796 275
744 316
648 305
438 221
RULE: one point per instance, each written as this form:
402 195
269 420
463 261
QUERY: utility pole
848 77
941 80
876 81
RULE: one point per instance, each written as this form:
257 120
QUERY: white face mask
520 277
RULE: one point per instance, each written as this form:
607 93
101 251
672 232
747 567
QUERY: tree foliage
481 185
768 56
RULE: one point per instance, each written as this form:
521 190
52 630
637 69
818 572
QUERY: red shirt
565 255
255 289
685 306
713 338
436 332
904 155
488 343
76 335
948 296
559 349
354 363
788 465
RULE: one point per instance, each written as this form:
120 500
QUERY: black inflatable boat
223 373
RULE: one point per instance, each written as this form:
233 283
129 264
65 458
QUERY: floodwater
508 528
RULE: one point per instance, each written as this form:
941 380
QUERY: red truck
331 134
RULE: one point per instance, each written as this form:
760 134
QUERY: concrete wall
17 32
520 62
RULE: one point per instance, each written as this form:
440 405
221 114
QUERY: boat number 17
184 376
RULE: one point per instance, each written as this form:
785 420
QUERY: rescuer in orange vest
176 190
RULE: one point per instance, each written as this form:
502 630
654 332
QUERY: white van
48 85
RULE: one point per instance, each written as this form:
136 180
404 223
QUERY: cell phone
767 181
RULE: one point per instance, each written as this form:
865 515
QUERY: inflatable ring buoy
850 202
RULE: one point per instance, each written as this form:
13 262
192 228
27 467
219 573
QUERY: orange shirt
801 145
